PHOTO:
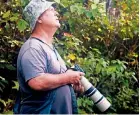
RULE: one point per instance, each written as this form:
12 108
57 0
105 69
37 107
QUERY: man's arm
33 64
48 81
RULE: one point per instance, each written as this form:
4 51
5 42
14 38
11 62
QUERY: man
45 82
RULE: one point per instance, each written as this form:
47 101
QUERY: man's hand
78 88
74 76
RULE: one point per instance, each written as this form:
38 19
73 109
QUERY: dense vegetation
103 41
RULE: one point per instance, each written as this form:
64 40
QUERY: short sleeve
33 63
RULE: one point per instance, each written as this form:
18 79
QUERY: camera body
90 91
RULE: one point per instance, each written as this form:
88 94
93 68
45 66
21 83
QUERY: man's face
49 18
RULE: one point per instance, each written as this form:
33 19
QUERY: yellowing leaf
67 34
87 38
124 6
71 57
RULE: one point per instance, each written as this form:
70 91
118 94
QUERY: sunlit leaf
13 18
58 1
4 103
96 1
7 14
93 6
73 8
16 85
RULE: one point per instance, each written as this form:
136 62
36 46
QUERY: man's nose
52 8
56 13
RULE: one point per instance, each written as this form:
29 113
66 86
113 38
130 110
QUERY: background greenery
103 41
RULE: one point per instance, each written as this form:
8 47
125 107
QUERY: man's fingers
82 74
82 89
78 88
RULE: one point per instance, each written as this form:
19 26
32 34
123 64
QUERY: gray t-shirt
36 58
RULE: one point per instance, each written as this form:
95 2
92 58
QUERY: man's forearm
48 81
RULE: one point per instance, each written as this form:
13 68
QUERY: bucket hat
34 9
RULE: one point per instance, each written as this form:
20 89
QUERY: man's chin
58 25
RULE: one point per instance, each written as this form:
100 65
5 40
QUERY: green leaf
96 50
1 90
3 102
24 2
98 68
113 77
2 85
81 111
4 81
8 112
122 69
79 102
7 14
10 67
73 8
103 73
126 83
89 14
22 25
80 11
2 78
9 101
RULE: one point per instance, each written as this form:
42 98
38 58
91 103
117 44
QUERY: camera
90 91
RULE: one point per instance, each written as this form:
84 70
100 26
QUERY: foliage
111 78
12 28
88 31
104 44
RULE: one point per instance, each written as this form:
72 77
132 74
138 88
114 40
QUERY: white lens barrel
96 96
103 105
85 83
90 91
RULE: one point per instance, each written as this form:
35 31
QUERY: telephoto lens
90 91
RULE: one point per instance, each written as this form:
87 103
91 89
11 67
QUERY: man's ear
39 21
